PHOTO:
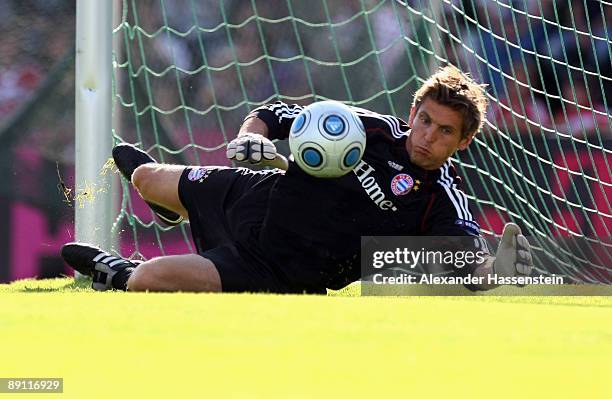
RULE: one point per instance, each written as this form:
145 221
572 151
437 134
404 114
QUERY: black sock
119 281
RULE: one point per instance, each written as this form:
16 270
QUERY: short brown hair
458 91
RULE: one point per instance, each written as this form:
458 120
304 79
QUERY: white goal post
93 122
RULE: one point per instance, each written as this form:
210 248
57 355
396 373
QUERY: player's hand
513 257
252 148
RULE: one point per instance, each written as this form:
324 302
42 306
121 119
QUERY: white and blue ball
327 139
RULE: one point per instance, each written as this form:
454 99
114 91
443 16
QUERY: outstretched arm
253 125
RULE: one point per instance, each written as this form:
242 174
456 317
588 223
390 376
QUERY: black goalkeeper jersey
319 222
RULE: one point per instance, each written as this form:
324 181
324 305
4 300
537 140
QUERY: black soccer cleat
127 158
95 263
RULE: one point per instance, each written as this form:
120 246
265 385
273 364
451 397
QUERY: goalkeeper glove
252 148
513 257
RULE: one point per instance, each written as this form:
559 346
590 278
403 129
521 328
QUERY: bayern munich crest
196 174
402 184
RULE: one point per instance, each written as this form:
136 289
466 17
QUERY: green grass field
115 344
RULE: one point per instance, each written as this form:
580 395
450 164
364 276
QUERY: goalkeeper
283 230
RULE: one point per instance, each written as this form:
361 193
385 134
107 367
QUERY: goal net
187 72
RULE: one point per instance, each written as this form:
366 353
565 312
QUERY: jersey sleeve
449 215
278 117
388 125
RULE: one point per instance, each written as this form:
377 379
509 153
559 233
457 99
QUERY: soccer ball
327 139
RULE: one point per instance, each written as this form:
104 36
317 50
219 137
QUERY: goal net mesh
187 72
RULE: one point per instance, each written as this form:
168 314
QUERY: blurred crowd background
548 66
36 134
558 56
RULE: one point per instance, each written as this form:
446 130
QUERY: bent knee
143 177
148 276
189 273
158 183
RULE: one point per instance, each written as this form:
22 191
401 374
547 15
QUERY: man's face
436 134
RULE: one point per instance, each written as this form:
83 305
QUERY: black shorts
226 208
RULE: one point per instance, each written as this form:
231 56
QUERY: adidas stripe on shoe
97 264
